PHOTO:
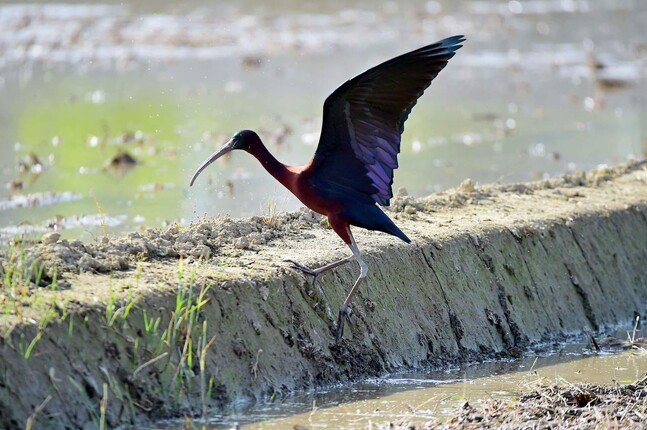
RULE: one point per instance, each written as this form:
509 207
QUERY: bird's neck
286 175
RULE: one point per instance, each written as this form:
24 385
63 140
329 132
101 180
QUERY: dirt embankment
177 321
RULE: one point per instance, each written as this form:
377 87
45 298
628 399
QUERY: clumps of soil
579 179
574 406
581 406
208 238
469 193
201 240
466 193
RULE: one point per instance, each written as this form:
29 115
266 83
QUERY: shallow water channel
106 109
419 397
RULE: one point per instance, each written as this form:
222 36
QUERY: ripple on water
62 223
38 199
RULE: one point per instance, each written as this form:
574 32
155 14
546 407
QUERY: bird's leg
345 311
322 269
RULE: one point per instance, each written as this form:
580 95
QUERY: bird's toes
303 268
347 311
344 314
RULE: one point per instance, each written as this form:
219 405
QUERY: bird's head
243 139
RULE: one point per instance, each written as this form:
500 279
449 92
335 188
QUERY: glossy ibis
352 169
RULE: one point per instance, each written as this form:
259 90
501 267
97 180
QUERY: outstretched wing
363 122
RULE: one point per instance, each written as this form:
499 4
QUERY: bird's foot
305 269
344 314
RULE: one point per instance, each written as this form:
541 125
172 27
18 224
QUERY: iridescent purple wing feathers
363 122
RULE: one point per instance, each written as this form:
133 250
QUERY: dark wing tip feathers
375 102
453 41
438 53
446 47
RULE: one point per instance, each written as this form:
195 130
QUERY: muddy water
417 398
83 85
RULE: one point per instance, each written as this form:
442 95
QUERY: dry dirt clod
256 238
122 162
241 243
50 238
201 251
467 186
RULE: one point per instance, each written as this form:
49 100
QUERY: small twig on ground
533 365
313 411
255 365
632 336
103 407
39 409
149 362
640 382
593 341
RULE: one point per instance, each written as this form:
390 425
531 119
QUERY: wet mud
576 406
176 321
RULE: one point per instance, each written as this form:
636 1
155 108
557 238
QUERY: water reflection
540 88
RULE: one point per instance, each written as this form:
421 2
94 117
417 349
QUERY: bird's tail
395 231
371 217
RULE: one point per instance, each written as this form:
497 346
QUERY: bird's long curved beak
228 147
